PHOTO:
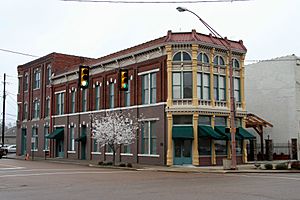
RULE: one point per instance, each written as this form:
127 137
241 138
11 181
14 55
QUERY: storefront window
221 147
204 146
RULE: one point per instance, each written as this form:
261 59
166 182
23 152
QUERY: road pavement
36 180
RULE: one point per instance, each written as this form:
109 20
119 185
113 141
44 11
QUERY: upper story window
203 58
220 121
111 95
219 61
84 100
235 63
182 56
35 143
36 79
60 97
25 111
182 85
48 74
149 138
237 90
47 107
149 88
25 86
97 97
204 120
127 95
220 87
203 86
72 139
73 101
19 85
182 119
36 109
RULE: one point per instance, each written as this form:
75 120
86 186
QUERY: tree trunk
114 156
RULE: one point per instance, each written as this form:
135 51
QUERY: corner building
179 83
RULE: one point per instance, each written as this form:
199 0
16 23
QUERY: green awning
221 130
56 134
184 132
245 134
209 132
82 138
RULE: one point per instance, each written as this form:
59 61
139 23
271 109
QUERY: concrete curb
162 169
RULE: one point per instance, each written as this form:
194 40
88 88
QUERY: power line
153 2
17 52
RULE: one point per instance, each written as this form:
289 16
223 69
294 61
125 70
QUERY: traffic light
124 80
84 76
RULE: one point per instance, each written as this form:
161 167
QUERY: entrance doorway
60 148
23 141
182 151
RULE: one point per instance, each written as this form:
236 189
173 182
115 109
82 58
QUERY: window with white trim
202 58
111 95
36 109
72 139
127 95
46 140
182 85
84 100
235 63
182 56
25 86
219 87
96 145
60 97
48 75
97 97
149 138
237 92
36 79
25 111
149 88
47 107
203 86
73 101
219 61
35 144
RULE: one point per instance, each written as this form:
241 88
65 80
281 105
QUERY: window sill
108 154
96 153
46 150
149 155
126 154
71 152
34 150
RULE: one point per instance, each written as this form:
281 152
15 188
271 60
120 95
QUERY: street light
232 105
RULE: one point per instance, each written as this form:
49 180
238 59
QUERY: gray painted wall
272 91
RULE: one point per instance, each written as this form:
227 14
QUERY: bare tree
115 129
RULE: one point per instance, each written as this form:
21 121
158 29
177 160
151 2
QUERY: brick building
34 99
179 82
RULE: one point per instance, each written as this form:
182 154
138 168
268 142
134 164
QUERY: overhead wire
154 2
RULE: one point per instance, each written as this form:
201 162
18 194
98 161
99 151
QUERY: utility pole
3 113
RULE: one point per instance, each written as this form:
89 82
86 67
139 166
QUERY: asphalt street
36 180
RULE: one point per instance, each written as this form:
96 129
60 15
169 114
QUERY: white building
272 91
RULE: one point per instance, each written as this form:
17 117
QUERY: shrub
107 163
295 165
129 165
100 163
122 165
268 166
281 166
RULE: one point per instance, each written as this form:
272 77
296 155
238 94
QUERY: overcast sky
269 29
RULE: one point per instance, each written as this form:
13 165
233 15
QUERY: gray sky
269 28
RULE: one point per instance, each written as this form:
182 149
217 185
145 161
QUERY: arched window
218 60
235 63
203 58
182 56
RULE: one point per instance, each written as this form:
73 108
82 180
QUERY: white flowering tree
115 129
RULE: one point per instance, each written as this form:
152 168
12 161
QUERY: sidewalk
245 168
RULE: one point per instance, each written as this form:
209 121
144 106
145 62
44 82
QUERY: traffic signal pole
3 113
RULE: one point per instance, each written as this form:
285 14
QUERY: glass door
182 152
